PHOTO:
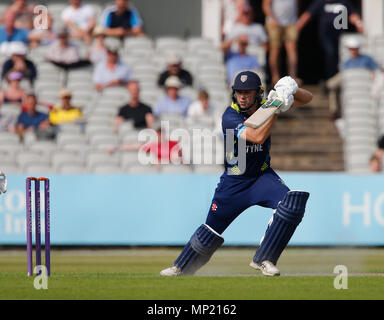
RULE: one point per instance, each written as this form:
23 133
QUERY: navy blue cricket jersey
258 185
257 155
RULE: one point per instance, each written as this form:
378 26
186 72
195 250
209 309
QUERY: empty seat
176 169
106 169
66 137
25 157
8 138
9 167
72 168
101 157
129 158
43 147
147 169
132 43
208 169
103 138
38 168
65 157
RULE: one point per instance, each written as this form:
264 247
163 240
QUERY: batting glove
3 183
287 85
287 100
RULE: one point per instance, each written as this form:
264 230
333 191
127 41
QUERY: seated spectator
201 107
281 17
375 163
245 26
163 150
65 112
63 54
174 68
112 71
80 19
121 20
239 61
13 94
18 62
139 112
172 102
33 120
42 37
356 60
9 34
97 51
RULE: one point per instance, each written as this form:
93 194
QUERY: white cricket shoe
171 272
266 267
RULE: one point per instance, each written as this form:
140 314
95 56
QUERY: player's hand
286 86
3 183
287 100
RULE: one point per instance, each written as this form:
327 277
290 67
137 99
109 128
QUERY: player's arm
260 134
302 97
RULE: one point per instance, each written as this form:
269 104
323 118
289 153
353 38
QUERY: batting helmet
248 80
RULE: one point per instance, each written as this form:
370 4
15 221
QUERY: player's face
245 98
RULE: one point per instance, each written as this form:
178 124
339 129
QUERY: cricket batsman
257 184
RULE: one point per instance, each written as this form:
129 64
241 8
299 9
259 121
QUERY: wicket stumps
47 244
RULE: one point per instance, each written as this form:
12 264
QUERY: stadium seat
208 169
8 138
37 168
129 158
72 168
24 157
105 139
176 169
45 148
137 43
196 43
97 157
106 169
9 167
65 138
60 158
170 44
147 169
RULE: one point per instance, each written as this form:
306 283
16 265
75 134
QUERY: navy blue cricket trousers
234 194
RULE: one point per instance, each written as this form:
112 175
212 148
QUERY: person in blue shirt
121 20
10 34
239 61
248 180
172 102
30 119
357 59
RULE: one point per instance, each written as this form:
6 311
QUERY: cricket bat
262 114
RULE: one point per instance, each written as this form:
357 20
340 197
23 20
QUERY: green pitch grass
133 274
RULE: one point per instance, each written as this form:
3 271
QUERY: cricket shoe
266 267
171 272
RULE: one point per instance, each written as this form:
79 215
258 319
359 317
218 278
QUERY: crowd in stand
103 35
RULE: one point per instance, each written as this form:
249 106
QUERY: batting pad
197 252
288 215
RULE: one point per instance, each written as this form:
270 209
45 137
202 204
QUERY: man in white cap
174 68
172 102
356 60
18 62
